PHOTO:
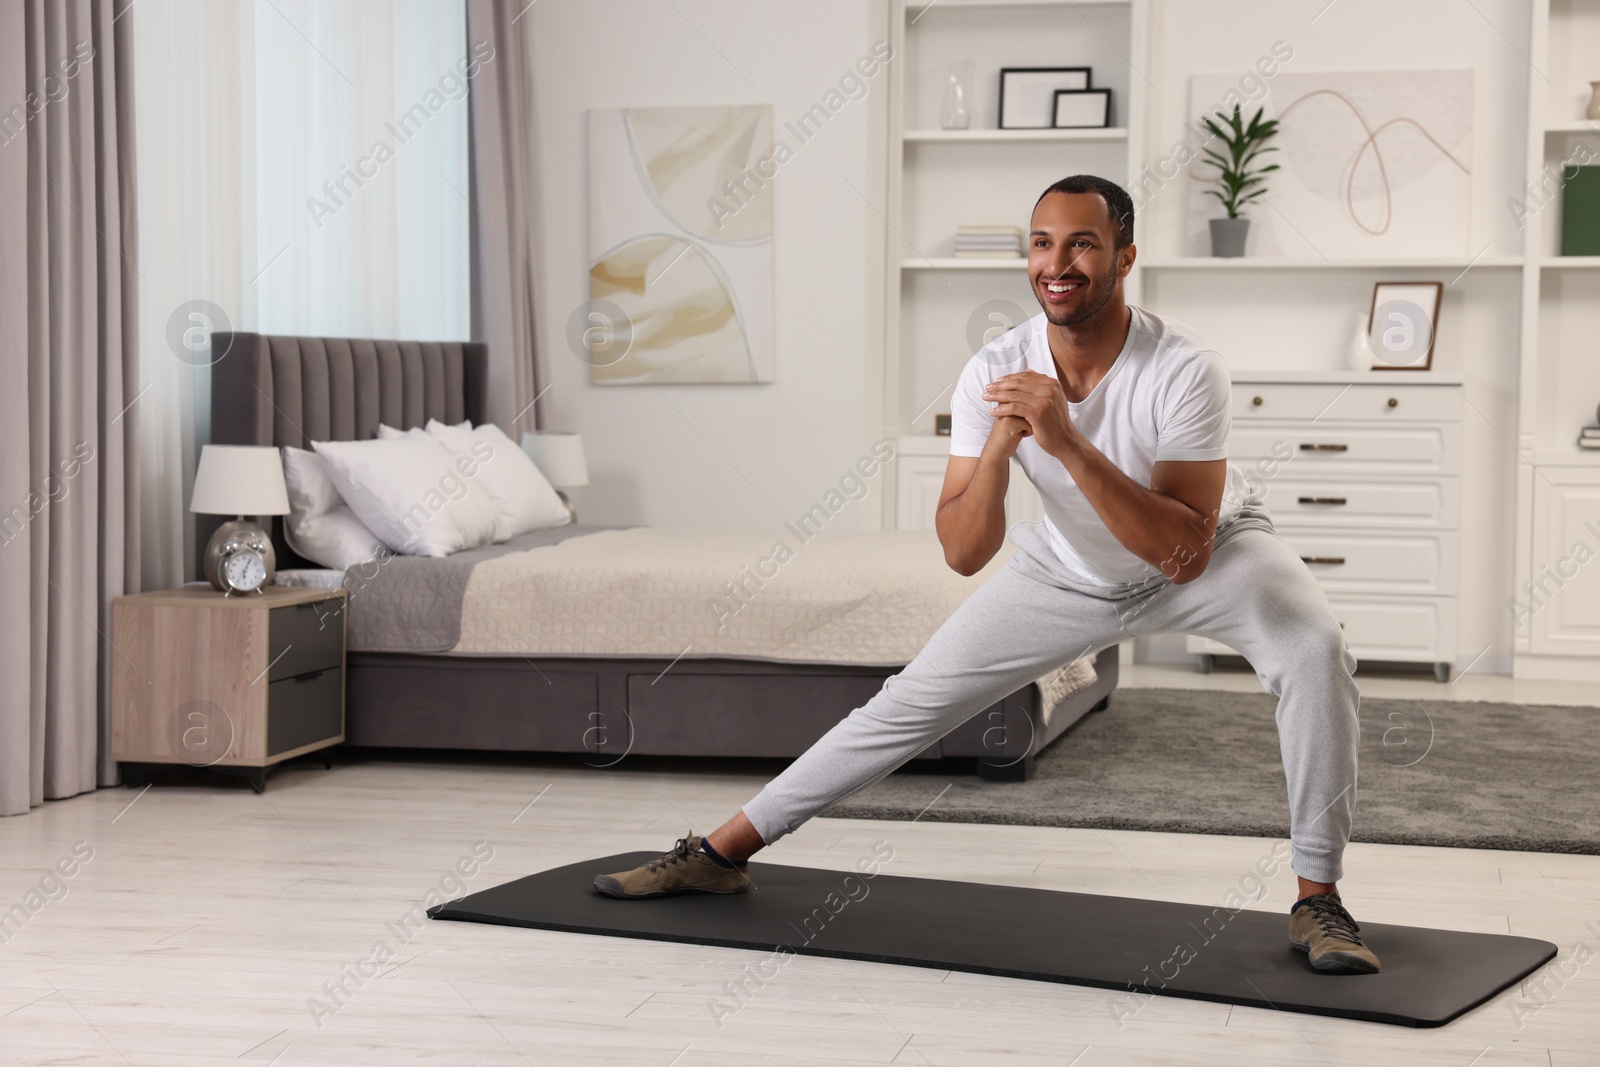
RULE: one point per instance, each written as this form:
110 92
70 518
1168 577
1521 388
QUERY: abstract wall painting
1374 163
680 245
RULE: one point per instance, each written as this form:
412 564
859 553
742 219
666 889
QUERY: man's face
1071 264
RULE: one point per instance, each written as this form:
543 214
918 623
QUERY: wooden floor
210 922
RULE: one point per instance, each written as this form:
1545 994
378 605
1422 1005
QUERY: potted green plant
1241 181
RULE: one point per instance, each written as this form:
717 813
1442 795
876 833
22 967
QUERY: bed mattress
841 597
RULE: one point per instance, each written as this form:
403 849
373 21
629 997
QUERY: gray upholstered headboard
295 390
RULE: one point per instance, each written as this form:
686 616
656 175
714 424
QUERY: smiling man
1120 419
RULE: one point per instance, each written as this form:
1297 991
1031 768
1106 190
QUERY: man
1120 419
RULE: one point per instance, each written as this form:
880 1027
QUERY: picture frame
1027 94
1402 325
1081 109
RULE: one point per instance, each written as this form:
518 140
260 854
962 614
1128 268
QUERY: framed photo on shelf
1402 324
1027 94
1078 109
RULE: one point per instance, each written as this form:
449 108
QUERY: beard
1100 292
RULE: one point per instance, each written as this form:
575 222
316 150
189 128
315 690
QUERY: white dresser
1369 494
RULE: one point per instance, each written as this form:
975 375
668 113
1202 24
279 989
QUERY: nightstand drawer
304 637
304 710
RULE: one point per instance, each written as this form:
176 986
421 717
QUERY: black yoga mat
1136 948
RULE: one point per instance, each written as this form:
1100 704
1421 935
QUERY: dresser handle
1393 402
1323 500
1255 401
1322 559
1324 448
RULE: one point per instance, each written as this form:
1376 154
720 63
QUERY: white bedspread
843 597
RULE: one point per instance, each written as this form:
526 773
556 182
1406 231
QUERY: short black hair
1119 205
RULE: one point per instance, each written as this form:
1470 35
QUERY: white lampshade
559 457
239 480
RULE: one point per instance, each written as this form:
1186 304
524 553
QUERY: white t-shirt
1166 397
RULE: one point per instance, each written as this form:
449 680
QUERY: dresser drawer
1418 629
1336 503
1400 402
1345 448
1415 629
1362 562
304 637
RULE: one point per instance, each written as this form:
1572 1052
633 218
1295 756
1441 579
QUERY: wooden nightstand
243 682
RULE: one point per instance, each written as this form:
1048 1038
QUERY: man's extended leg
1012 630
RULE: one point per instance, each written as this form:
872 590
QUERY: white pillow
387 432
320 526
410 492
523 497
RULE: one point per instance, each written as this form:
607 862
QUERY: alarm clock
240 558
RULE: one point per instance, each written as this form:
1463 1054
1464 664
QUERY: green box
1580 213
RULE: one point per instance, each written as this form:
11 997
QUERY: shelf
1570 262
1573 126
952 263
1098 133
1570 456
1376 263
1342 377
919 9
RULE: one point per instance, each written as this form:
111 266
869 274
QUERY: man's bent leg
1257 597
1012 630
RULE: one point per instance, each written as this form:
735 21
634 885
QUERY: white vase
956 114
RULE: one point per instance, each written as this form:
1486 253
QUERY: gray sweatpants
1255 595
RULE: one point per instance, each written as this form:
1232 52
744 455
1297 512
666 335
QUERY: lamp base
572 512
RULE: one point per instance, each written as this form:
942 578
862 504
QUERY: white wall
730 455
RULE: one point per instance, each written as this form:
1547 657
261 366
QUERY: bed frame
293 390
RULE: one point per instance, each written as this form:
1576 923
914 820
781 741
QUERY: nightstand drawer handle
1256 401
313 676
1322 559
1324 448
1323 500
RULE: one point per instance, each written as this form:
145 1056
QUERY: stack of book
1589 437
988 242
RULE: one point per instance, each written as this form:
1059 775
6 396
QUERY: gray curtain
500 150
69 364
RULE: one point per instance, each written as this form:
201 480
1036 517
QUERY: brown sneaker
1320 927
685 869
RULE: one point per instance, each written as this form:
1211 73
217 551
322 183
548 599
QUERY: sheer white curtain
302 169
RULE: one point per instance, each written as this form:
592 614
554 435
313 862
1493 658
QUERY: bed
628 651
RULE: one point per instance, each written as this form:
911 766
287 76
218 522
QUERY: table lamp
239 480
559 457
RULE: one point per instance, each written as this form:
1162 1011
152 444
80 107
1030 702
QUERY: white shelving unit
938 179
1520 324
1012 136
1558 484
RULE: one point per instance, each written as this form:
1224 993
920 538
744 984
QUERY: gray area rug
1453 773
